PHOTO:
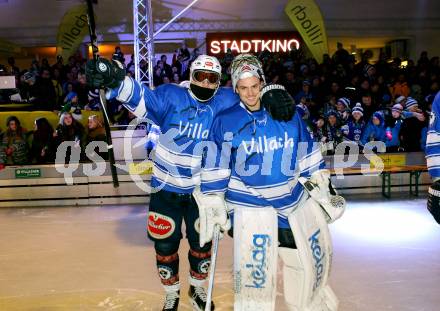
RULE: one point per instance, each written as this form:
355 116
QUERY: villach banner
307 19
72 30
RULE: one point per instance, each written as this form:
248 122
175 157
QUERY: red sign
251 42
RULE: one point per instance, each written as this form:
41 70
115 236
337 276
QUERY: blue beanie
70 96
332 113
378 115
358 108
410 102
345 101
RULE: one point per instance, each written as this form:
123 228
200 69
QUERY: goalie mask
204 68
244 66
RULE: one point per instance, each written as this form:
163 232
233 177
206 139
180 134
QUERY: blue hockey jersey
257 161
433 140
353 130
184 123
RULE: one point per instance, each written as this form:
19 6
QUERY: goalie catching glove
434 200
212 211
321 190
103 73
278 102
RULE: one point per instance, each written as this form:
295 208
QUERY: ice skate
171 301
197 298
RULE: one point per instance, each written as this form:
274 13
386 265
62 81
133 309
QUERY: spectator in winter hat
355 126
302 109
411 105
343 103
70 97
393 126
369 71
319 130
400 100
375 130
396 110
93 100
343 108
69 130
333 134
72 105
305 92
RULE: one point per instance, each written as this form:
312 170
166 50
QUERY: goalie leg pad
306 270
255 258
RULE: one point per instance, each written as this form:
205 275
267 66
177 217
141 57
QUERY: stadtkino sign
252 42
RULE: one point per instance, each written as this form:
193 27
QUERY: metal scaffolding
144 38
143 43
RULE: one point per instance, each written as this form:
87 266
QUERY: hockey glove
321 190
434 200
278 102
103 73
212 211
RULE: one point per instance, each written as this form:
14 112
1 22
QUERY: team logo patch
165 272
263 121
246 68
210 64
102 67
204 266
160 226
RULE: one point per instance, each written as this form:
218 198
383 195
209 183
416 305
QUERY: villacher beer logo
160 226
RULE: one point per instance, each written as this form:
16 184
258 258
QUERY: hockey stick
215 240
94 44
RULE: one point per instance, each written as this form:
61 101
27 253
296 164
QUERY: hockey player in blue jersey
184 116
433 158
260 162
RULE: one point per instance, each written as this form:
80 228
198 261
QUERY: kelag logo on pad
258 267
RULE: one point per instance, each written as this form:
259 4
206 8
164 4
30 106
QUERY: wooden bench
414 176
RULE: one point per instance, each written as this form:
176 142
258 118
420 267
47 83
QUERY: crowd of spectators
340 99
18 146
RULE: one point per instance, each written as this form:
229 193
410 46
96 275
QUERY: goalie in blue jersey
257 162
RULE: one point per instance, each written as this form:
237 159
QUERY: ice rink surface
386 257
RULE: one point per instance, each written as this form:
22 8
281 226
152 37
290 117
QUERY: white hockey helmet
245 66
205 63
203 68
